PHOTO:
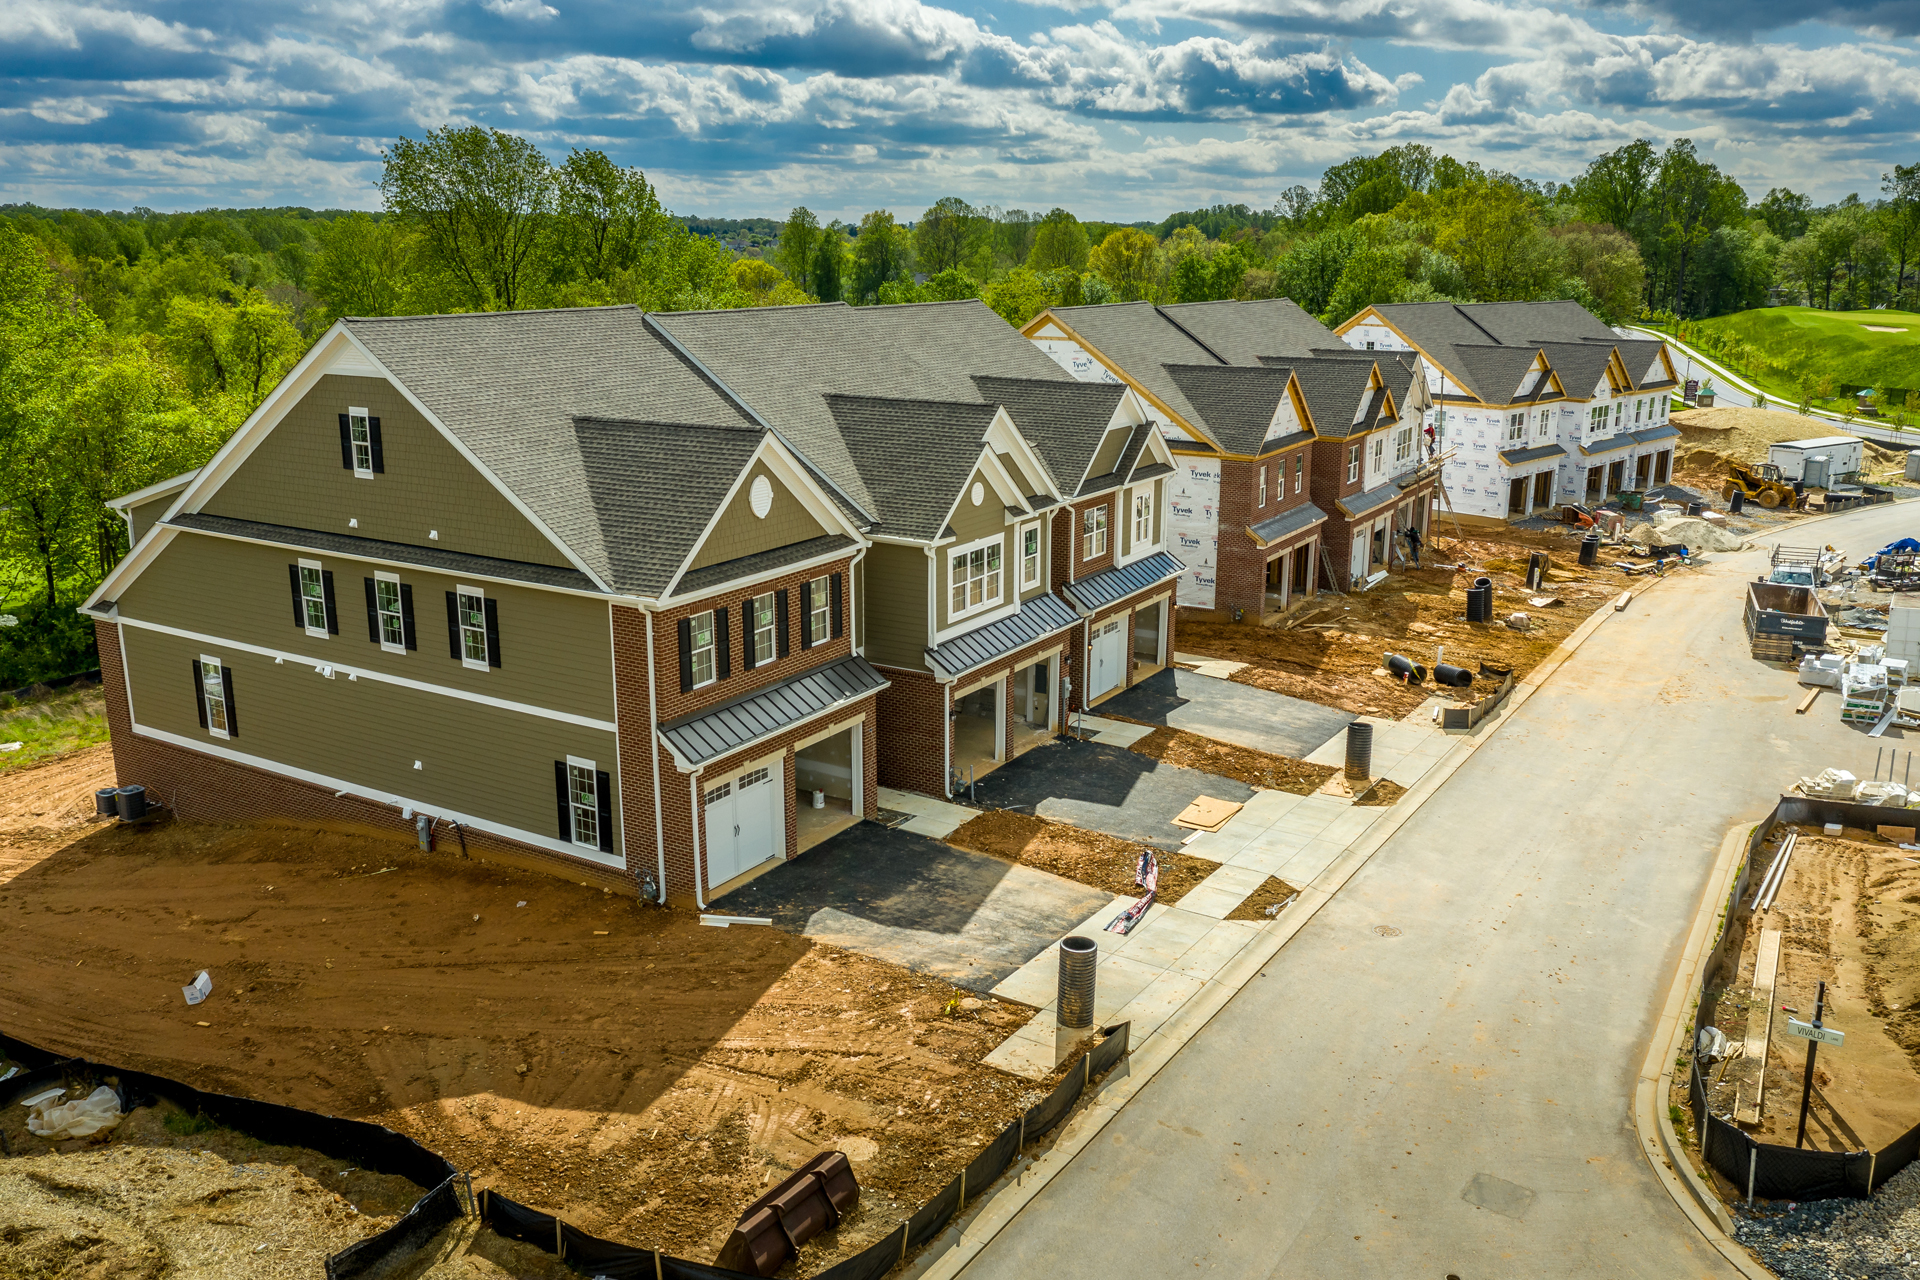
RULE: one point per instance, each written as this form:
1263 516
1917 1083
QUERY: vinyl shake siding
738 532
296 477
894 605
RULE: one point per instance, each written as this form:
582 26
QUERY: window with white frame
360 434
1143 513
1262 500
472 612
1379 453
820 604
1597 418
1353 463
1030 556
701 648
583 798
973 576
1516 426
1546 422
213 691
393 622
1093 532
1639 407
1299 470
1619 406
313 597
1403 444
762 622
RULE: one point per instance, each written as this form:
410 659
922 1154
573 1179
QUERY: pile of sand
1744 434
1689 531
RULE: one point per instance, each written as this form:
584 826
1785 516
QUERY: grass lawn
57 722
1777 346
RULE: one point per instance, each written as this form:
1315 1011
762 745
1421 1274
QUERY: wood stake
1807 701
1626 598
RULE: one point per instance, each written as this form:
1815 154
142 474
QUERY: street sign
1807 1031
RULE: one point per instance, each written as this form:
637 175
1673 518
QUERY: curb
1139 1068
1658 1142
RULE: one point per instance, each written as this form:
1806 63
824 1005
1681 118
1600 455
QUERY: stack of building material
1822 669
1831 784
1863 693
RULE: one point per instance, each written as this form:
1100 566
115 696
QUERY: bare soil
1272 892
1255 768
612 1062
1849 911
143 1200
1330 649
1381 794
1090 857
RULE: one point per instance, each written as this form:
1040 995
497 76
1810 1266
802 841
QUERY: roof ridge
743 428
855 395
482 315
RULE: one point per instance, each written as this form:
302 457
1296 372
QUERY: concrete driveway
919 903
1104 788
1435 1077
1229 712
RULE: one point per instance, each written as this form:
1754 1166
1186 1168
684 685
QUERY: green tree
1129 261
950 285
1060 241
1617 189
1312 268
1785 212
948 235
800 238
1018 296
1691 199
1491 231
482 200
829 259
879 255
1901 218
1607 263
609 215
366 267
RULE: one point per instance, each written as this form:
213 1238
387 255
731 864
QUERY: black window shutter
200 693
560 794
806 614
493 632
783 641
603 782
749 622
346 443
299 605
326 589
686 654
406 613
836 616
373 612
722 645
453 625
226 687
373 441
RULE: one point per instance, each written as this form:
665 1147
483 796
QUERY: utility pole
1806 1085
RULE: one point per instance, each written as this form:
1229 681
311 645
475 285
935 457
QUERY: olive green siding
894 601
295 477
1027 481
482 761
1039 584
970 524
739 532
1107 457
143 515
556 651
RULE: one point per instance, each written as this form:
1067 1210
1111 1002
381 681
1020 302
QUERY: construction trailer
1820 462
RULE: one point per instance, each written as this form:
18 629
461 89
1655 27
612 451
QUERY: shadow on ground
1105 788
1230 712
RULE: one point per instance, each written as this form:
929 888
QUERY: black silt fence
510 1218
377 1254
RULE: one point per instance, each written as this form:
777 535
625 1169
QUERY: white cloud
529 10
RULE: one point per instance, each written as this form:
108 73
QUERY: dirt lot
158 1195
1224 759
614 1063
1329 649
1848 910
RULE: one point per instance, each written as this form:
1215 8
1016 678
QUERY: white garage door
745 822
1109 653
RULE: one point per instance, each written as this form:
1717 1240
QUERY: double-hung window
1262 501
1546 422
820 603
213 697
765 634
1403 445
1379 453
1143 513
360 440
700 644
1516 426
1299 470
973 578
313 598
1093 532
583 800
1619 406
1353 464
472 614
1030 556
389 616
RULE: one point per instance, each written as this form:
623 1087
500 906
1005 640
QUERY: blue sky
1121 110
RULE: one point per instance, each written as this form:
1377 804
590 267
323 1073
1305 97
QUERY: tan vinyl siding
143 515
482 761
1107 457
294 477
1029 484
1039 585
894 600
555 649
739 532
970 524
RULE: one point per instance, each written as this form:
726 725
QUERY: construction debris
1207 814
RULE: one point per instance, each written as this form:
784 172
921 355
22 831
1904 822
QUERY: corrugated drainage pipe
1359 750
1078 956
1406 670
1452 677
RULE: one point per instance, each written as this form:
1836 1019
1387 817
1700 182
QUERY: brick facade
1328 471
1240 563
200 787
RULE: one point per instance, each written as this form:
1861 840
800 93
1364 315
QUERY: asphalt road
1435 1077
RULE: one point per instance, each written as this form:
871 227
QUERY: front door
1594 490
1617 477
1357 567
745 823
1643 472
1517 497
1109 653
1543 490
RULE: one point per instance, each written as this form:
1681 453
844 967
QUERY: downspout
653 749
855 607
693 781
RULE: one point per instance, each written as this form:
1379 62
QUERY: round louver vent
760 496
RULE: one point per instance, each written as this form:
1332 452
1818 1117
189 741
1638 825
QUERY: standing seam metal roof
1037 619
1097 590
740 723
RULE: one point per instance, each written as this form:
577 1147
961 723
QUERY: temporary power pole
1813 1047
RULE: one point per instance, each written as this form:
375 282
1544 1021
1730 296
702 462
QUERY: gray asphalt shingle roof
509 384
1335 388
1064 421
721 730
913 456
1241 332
1236 403
1515 457
1355 505
1582 366
1288 523
1142 342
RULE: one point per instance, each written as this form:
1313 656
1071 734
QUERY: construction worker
1413 544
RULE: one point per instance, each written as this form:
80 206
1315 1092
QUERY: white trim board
549 843
362 673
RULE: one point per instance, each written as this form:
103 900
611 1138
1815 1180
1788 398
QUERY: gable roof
1494 373
1236 403
1576 342
914 456
508 386
1334 388
1581 365
1066 422
1141 341
1241 332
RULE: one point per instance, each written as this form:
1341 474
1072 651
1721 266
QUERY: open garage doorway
827 777
977 729
1147 633
1033 706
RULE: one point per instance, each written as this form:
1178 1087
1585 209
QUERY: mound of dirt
1690 531
1090 857
1744 434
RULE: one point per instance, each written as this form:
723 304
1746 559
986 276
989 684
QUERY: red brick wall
632 714
913 724
199 787
1071 518
1240 565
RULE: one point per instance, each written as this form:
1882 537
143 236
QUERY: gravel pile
1873 1239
